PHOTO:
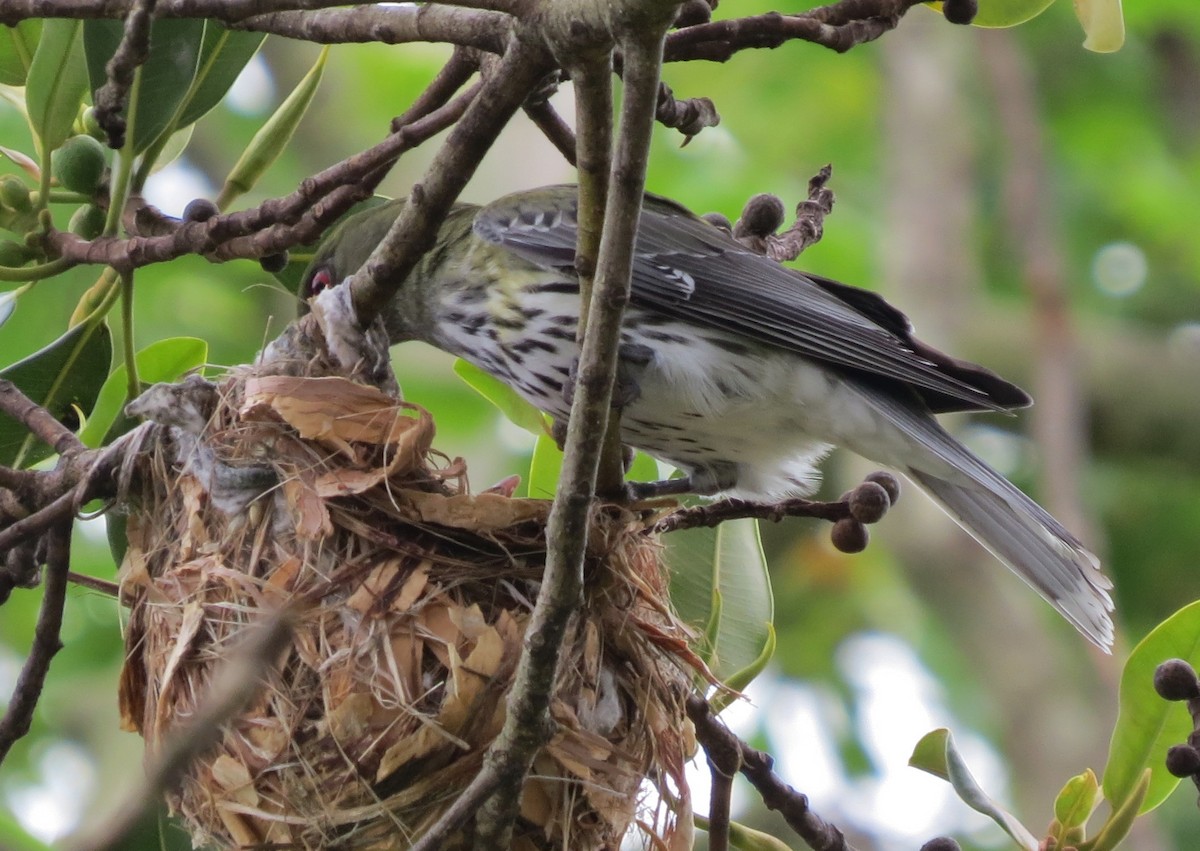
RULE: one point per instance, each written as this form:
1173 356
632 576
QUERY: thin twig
415 229
46 641
723 766
716 513
132 52
553 127
756 767
449 79
839 26
37 419
277 224
94 583
16 480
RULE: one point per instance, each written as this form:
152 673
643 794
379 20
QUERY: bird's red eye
321 280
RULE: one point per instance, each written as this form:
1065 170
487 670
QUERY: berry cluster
867 503
1175 679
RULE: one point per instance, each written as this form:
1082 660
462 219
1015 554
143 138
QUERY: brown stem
716 513
432 22
132 52
415 229
37 419
756 767
839 27
553 127
46 641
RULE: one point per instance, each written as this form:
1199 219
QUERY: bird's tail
1008 523
1025 537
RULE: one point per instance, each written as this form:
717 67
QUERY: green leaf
160 84
643 469
1146 724
1076 802
1121 821
65 375
167 150
163 361
545 468
17 46
720 584
937 755
56 83
1103 24
510 403
268 143
223 55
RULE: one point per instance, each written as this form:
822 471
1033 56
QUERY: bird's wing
688 269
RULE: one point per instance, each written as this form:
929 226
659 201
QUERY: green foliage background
1123 151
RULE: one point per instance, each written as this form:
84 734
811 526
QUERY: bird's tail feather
1037 548
1008 523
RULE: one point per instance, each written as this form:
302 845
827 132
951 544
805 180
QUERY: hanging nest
410 598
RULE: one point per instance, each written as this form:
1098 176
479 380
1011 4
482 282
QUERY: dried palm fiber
412 597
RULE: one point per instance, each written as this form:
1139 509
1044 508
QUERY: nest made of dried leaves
411 597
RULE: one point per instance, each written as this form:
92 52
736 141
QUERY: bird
740 372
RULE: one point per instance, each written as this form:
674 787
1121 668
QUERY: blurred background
1030 205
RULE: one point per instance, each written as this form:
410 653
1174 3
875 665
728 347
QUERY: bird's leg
704 481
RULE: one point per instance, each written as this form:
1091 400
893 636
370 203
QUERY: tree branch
839 27
722 745
37 419
132 51
415 229
275 225
430 22
527 725
46 641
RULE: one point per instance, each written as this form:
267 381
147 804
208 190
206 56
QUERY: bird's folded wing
689 270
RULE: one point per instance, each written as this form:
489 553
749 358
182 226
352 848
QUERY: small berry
91 126
1175 679
273 263
693 12
87 222
719 221
14 194
13 254
941 843
762 215
960 11
1183 760
849 536
199 210
888 482
868 502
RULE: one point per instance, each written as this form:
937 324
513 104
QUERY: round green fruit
14 194
79 164
13 254
87 221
